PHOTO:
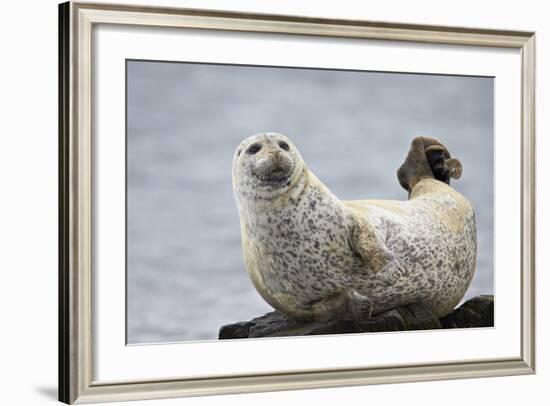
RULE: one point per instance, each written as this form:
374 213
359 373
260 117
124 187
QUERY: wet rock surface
476 312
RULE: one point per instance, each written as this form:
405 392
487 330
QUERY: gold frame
75 272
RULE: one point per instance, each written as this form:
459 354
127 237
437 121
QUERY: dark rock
476 312
236 330
392 320
418 317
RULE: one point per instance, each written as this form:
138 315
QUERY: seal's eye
284 145
253 149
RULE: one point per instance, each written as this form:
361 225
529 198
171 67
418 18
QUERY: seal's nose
276 157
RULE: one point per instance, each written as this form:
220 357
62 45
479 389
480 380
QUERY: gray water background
185 271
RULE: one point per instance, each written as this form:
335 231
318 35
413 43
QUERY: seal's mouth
274 170
277 177
278 174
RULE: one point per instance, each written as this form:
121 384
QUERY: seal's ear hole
254 148
239 152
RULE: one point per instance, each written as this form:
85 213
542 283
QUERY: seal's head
265 166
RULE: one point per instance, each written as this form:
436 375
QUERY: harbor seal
314 257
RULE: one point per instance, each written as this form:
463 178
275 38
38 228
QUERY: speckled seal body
314 257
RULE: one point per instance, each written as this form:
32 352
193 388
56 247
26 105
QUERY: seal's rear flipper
443 166
428 158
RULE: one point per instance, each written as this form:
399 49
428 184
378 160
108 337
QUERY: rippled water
186 276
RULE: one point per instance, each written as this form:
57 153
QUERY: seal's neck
252 203
304 194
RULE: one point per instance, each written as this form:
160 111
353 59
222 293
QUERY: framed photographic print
240 193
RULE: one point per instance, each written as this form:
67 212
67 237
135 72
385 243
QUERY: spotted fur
315 257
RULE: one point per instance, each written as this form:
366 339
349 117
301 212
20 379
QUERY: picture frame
77 349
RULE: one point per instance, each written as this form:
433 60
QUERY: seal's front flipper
345 305
392 271
360 307
367 243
